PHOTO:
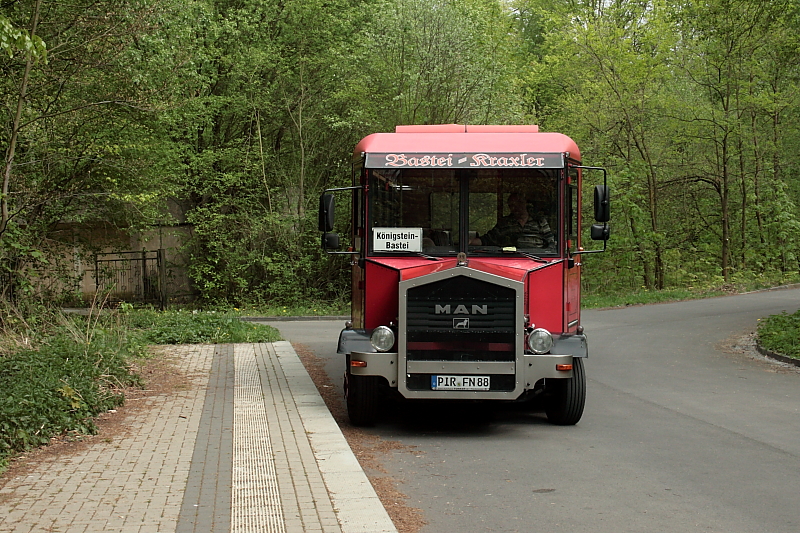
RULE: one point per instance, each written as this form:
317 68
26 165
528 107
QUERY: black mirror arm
584 252
326 207
604 201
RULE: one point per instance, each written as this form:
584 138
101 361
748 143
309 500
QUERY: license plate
460 382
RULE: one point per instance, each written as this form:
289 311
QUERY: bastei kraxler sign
462 160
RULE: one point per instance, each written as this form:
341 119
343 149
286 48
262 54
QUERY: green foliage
13 39
61 386
90 150
673 98
197 327
230 118
781 334
433 62
57 372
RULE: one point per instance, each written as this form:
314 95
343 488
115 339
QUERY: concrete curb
357 505
776 356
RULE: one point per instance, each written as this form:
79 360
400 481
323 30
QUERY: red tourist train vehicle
466 247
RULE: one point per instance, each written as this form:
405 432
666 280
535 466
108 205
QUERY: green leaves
58 388
781 334
681 100
13 40
198 327
237 114
80 367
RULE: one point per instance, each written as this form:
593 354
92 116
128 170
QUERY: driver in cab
518 228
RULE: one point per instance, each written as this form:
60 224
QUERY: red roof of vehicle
458 138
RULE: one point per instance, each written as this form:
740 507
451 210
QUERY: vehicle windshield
440 212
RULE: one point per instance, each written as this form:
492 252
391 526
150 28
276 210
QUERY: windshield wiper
424 256
531 256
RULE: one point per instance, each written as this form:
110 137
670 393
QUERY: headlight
540 341
382 339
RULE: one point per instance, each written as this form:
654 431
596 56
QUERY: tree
260 138
726 46
686 103
81 146
434 62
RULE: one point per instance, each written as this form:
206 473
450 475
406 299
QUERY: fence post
96 274
162 277
143 296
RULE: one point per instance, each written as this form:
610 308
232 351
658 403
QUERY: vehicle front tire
362 396
567 397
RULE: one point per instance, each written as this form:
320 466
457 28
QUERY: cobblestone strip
256 503
134 484
206 506
307 507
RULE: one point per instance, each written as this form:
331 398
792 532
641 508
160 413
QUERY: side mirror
600 232
330 241
602 205
326 213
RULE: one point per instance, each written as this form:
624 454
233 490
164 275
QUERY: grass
781 334
777 333
197 327
310 309
708 290
59 380
589 301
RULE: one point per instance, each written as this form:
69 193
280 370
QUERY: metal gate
132 276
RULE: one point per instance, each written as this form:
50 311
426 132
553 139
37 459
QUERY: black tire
567 397
362 396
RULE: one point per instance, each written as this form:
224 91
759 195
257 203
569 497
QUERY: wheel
567 397
361 394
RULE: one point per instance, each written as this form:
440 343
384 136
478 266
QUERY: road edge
357 504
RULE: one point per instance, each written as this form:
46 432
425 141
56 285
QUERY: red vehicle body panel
543 285
552 291
381 286
467 142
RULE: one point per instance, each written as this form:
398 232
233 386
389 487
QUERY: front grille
460 319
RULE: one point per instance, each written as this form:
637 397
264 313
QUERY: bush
58 388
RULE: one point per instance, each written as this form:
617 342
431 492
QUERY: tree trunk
12 145
642 254
725 212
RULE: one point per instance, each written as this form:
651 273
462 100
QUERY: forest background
242 112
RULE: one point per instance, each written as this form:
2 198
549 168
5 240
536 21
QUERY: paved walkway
249 447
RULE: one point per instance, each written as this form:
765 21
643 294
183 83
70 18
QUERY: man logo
461 323
461 310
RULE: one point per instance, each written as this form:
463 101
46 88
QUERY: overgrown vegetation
226 120
58 372
56 376
197 327
781 334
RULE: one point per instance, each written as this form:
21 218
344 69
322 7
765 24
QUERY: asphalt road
679 433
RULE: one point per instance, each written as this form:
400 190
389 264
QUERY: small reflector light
563 368
364 363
